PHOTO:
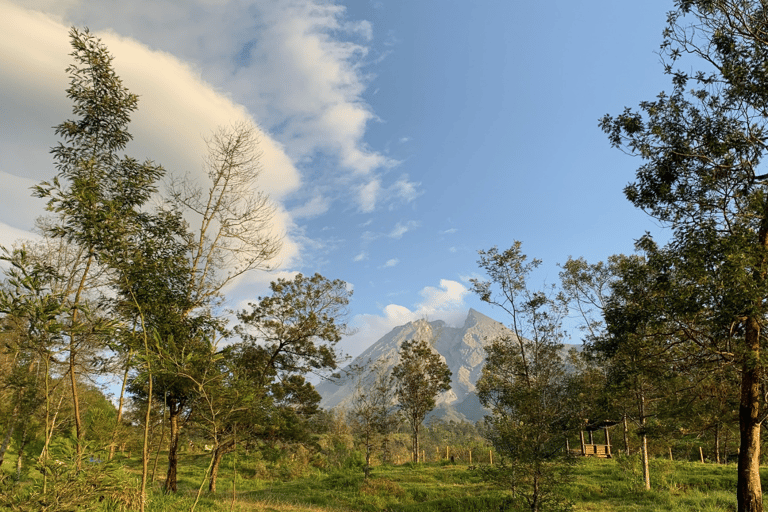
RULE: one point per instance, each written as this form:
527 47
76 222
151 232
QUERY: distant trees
419 377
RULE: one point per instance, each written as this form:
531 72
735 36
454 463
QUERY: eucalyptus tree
524 381
702 146
95 188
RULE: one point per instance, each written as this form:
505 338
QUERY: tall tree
420 376
95 187
524 381
703 146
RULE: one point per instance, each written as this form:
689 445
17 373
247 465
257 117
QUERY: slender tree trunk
717 443
749 491
535 497
9 433
73 363
120 407
644 447
218 455
174 411
22 445
147 416
415 446
626 436
162 439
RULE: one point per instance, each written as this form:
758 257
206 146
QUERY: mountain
462 348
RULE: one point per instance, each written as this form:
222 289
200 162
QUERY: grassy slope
600 485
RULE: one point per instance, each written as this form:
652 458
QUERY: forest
127 284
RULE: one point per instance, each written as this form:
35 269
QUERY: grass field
599 485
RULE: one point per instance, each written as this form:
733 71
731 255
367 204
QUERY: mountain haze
462 348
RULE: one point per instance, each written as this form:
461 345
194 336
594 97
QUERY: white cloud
405 190
400 229
360 257
368 195
391 263
10 235
443 303
176 111
316 206
296 64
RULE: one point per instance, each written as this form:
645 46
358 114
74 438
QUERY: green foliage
419 377
96 486
702 147
96 190
525 384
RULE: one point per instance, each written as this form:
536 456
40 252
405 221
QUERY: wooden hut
591 448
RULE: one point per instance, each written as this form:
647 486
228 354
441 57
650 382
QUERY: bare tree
234 233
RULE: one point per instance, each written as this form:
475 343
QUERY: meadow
599 485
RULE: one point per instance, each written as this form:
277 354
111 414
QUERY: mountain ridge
462 349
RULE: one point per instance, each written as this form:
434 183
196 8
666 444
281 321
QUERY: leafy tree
419 377
284 336
702 147
95 188
30 310
371 415
524 381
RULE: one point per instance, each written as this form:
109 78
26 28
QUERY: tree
524 381
233 236
371 415
702 147
31 335
419 377
95 188
284 336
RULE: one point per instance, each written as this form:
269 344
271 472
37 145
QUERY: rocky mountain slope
462 348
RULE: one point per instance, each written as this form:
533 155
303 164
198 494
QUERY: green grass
599 485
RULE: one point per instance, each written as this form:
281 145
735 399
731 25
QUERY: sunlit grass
286 486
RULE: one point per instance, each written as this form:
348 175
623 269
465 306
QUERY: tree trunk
75 402
22 445
626 436
218 455
120 407
644 447
717 443
174 411
9 433
415 446
749 491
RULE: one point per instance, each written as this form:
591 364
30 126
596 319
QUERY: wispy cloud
400 229
360 257
391 263
368 195
316 206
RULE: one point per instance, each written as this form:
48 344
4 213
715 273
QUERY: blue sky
399 137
